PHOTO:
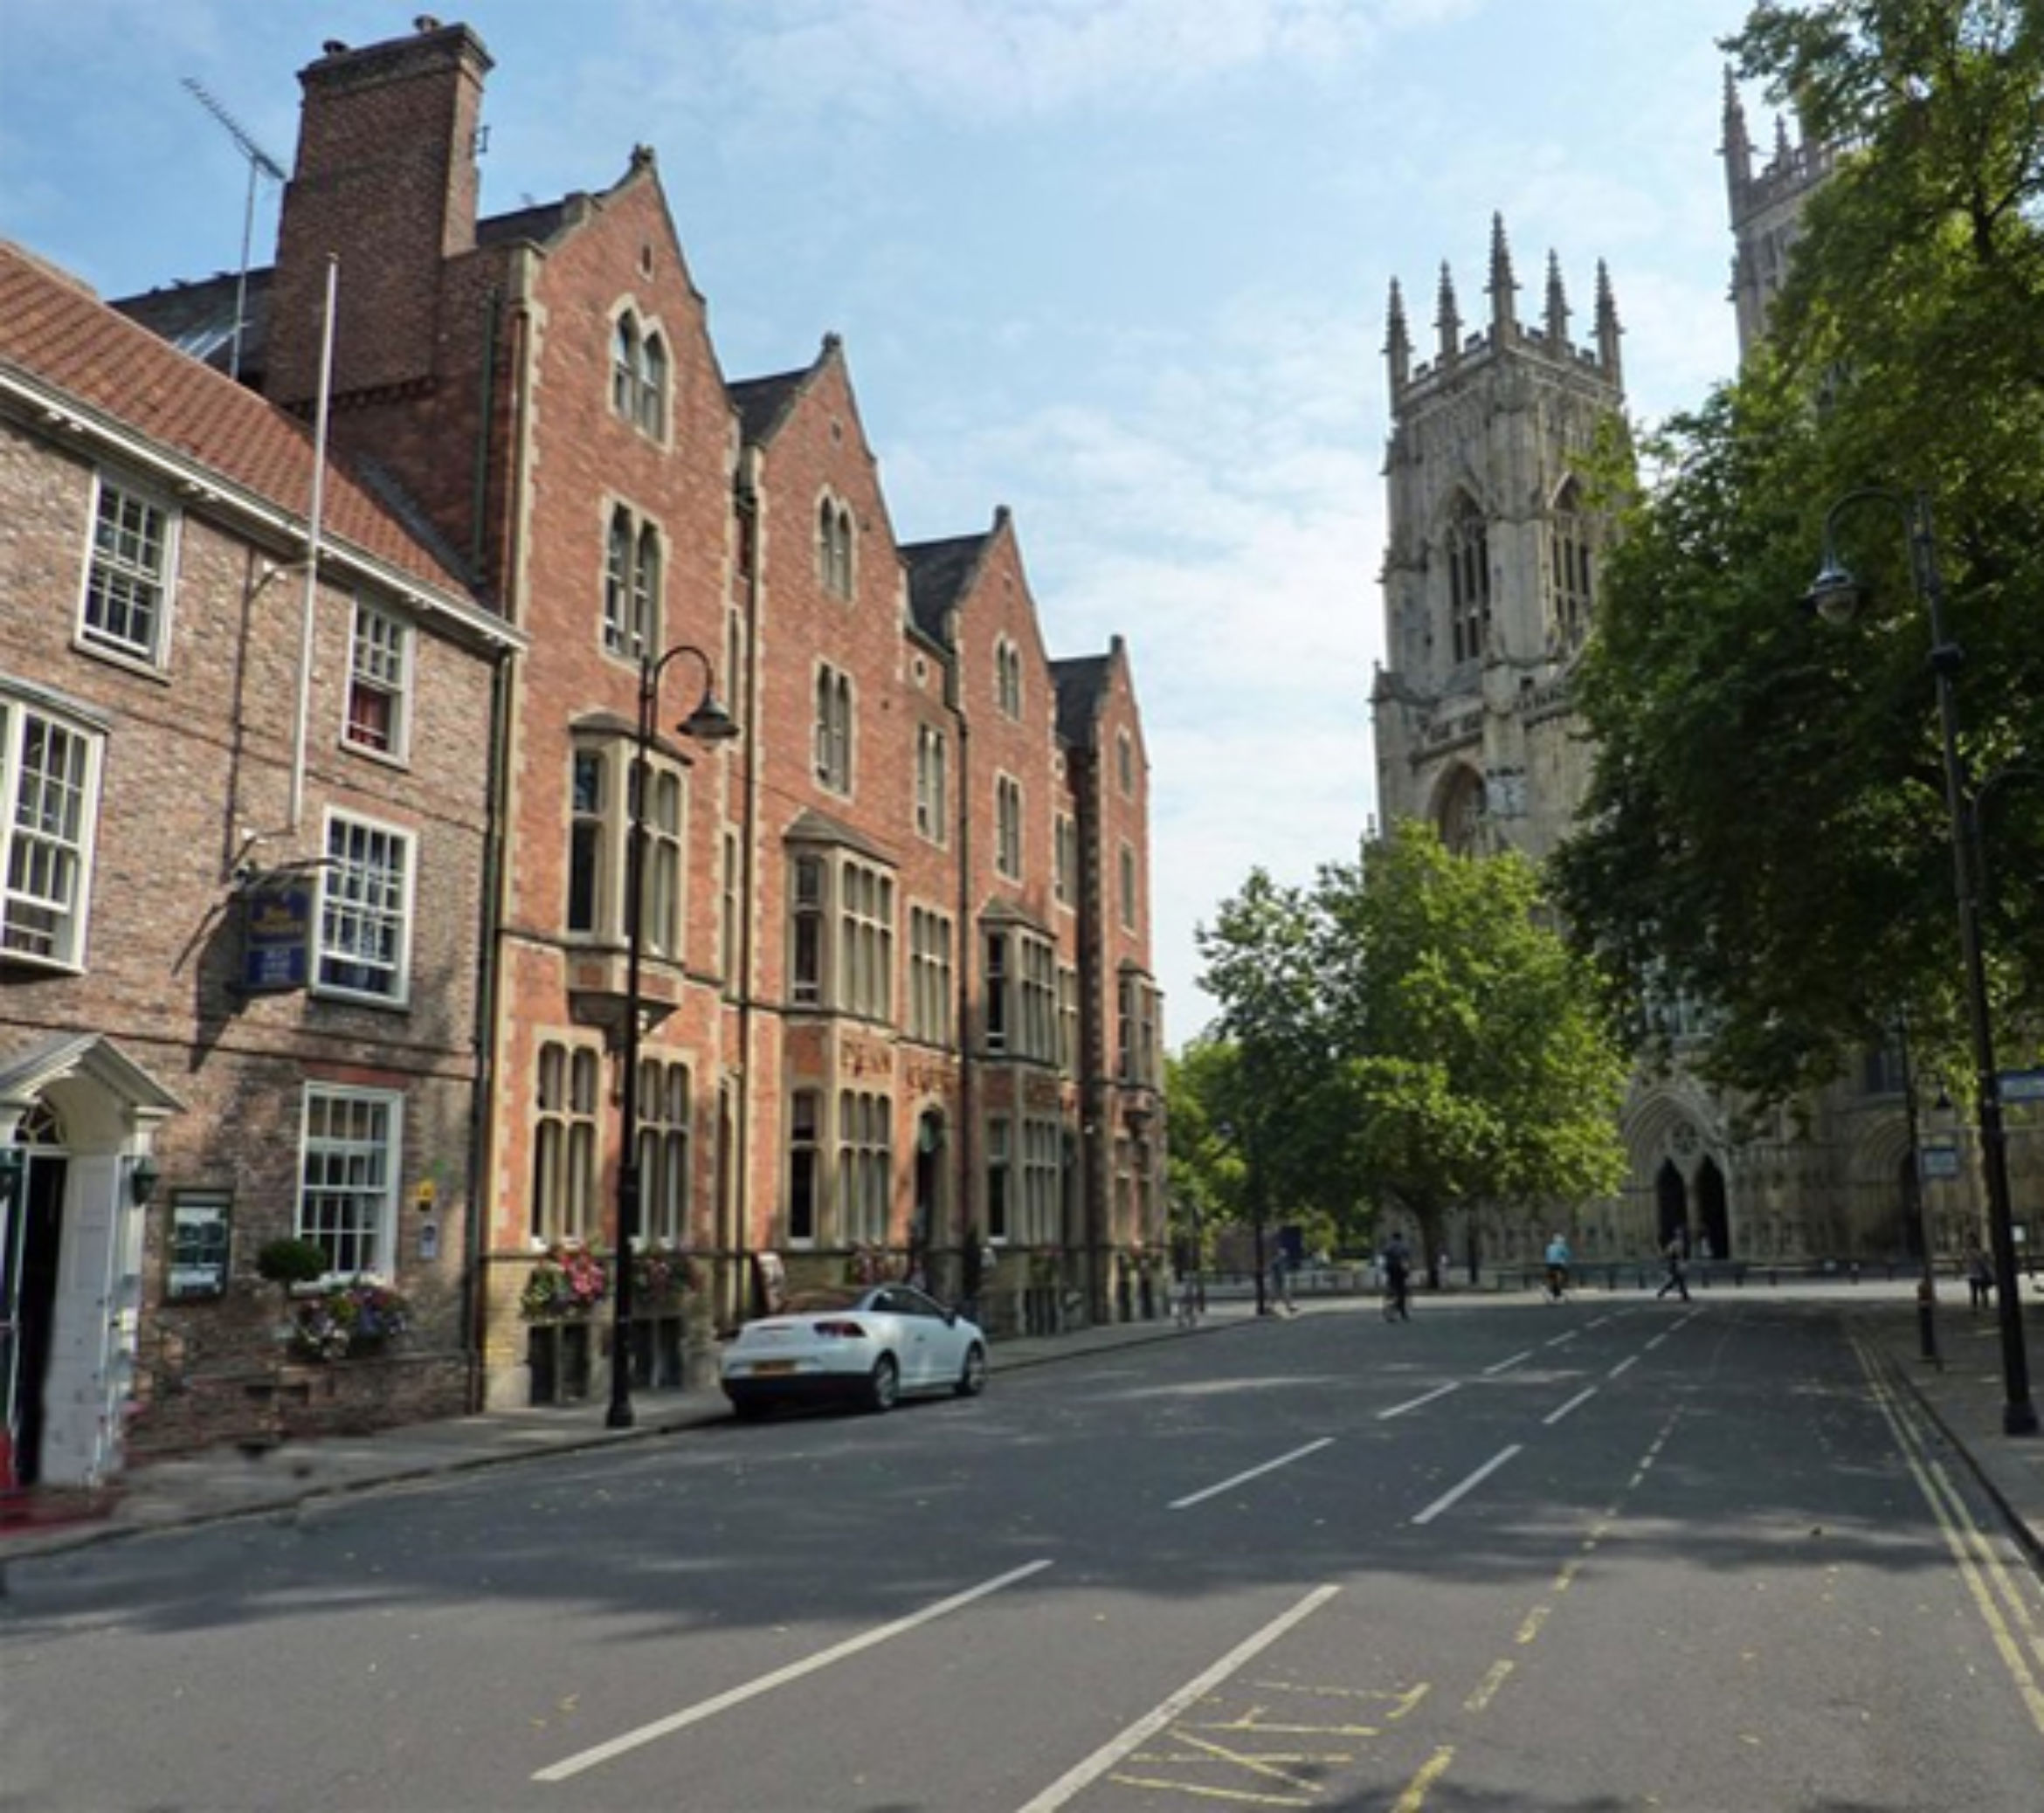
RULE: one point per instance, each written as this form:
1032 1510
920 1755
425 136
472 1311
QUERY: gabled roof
762 403
939 574
1081 683
73 356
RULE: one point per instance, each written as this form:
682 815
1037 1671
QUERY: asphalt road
1506 1556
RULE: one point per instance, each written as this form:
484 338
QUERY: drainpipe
968 1128
489 946
747 501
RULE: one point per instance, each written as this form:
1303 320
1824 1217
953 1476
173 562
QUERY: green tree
1202 1107
1424 1038
1767 831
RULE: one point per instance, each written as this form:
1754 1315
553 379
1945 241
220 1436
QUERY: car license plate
767 1366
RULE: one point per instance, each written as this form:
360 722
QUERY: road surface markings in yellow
1501 1671
1229 1771
1995 1589
1270 1466
766 1683
1414 1797
1075 1779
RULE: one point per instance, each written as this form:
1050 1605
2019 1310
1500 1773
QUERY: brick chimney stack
386 180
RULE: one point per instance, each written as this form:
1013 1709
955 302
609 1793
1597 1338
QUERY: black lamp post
1835 595
709 723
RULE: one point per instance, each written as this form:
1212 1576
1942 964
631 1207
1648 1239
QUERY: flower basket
565 1281
661 1276
340 1321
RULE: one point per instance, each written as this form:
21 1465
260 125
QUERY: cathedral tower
1766 208
1493 553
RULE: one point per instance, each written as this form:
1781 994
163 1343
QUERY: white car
866 1343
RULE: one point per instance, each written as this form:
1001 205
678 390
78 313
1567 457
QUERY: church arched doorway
1712 1212
1671 1197
1912 1213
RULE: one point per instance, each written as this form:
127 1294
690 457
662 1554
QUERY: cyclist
1557 1269
1398 1273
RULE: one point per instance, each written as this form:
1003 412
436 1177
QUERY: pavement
1963 1393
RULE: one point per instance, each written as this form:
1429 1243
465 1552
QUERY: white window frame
351 1179
114 582
635 564
341 900
49 832
380 653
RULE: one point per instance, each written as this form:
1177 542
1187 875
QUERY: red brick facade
834 1079
138 1039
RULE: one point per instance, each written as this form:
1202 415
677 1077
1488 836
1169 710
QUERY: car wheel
972 1378
883 1384
747 1410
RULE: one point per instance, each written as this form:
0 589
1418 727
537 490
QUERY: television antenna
260 164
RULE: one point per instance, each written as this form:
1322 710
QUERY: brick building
218 774
894 961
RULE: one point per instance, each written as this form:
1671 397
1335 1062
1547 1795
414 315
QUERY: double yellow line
1998 1589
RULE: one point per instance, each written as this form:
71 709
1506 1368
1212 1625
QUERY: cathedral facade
1494 550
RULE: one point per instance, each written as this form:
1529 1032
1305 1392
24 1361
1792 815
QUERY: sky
1120 264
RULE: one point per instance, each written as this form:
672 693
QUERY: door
32 1201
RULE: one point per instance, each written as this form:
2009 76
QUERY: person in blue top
1558 1268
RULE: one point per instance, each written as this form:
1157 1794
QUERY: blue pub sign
276 936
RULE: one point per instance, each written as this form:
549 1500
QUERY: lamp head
1834 594
709 722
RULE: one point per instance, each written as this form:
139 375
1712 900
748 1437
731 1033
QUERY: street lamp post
709 723
1835 594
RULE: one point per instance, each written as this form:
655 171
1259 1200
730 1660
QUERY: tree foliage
1767 832
1414 1034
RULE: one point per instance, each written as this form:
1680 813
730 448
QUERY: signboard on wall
276 935
199 1257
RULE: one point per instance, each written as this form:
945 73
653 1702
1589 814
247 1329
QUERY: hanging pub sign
276 935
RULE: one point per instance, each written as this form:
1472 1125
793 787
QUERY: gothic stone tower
1491 568
1767 209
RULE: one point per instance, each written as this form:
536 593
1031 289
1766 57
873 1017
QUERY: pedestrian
1558 1268
1979 1278
1675 1280
1187 1301
1281 1284
1398 1274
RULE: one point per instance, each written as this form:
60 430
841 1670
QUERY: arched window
651 407
625 365
1468 565
834 548
1459 816
617 573
645 592
1569 592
